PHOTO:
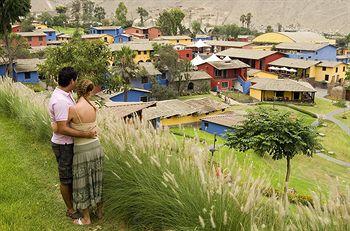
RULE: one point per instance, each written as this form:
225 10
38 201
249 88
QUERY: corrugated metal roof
177 37
305 36
329 64
206 105
106 27
122 109
150 68
227 119
142 46
27 65
294 63
197 75
227 43
31 34
225 65
302 46
246 53
267 84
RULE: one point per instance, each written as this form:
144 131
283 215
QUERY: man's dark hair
66 75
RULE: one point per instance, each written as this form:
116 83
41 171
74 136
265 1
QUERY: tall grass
154 181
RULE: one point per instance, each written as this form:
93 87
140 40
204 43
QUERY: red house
148 32
34 39
185 54
225 74
257 59
16 28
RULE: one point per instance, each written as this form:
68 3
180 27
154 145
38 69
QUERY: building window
217 73
177 41
206 125
137 31
143 98
139 52
40 38
224 84
324 68
343 69
224 73
326 77
190 86
105 39
187 55
50 33
145 52
144 80
279 94
29 39
336 69
27 75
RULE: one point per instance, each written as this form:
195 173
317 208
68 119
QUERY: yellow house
176 112
264 89
299 68
290 37
177 39
143 50
330 72
39 26
64 37
256 73
109 39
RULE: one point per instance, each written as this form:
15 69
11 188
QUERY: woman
88 156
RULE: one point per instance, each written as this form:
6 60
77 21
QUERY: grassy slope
67 30
321 106
29 190
345 121
307 173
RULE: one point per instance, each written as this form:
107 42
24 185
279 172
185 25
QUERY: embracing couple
76 146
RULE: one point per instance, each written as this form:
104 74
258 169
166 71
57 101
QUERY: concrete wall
213 128
21 77
326 53
334 75
255 93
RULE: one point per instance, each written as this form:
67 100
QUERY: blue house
115 31
308 51
344 58
124 38
202 37
151 73
50 34
134 95
3 69
221 124
26 70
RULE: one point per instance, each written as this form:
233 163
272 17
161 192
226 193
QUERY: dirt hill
320 15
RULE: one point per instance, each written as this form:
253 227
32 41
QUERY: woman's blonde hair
84 88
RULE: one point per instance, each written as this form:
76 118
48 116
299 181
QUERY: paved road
331 159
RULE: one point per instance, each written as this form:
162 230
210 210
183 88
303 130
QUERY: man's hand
90 134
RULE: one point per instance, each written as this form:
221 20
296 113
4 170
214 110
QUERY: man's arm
64 129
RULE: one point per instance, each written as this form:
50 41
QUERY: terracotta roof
224 65
227 119
122 109
141 46
302 46
329 64
294 63
150 68
106 27
267 84
206 105
246 53
31 34
27 65
197 75
227 43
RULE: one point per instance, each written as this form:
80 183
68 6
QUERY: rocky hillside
320 15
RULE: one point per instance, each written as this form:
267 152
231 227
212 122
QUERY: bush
340 103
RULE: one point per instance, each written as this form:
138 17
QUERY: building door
296 96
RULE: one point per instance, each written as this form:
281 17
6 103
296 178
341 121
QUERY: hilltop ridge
321 15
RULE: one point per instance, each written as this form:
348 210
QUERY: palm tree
248 19
242 19
125 68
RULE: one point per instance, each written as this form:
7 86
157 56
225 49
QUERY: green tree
59 20
170 22
347 40
27 24
88 7
347 74
196 27
76 8
125 68
268 29
45 18
143 14
10 13
243 19
61 9
89 58
120 14
99 13
276 133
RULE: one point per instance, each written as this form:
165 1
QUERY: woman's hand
54 126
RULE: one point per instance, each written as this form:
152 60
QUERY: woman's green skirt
87 175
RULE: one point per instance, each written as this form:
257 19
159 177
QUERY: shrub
340 103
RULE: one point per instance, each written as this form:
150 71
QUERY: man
62 139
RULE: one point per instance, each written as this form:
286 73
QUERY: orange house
34 39
148 32
16 28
